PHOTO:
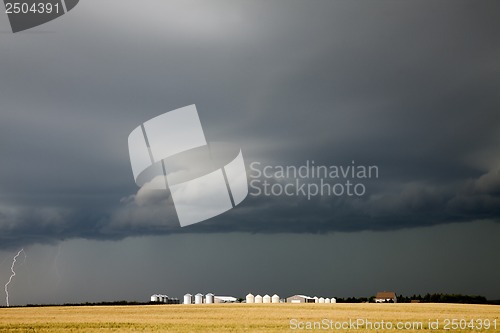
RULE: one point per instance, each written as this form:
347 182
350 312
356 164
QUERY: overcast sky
409 86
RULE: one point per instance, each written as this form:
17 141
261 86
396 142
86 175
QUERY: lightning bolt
13 274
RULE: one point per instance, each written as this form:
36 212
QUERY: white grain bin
316 299
327 300
188 299
258 299
266 299
209 298
198 298
321 300
164 298
333 300
155 298
275 299
250 299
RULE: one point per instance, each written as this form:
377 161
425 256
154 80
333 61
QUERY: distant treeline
445 298
107 303
427 298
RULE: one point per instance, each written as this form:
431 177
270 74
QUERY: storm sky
409 86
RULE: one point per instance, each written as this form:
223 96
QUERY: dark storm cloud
411 87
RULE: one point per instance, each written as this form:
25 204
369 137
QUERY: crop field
254 318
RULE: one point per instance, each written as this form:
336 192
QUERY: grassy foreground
245 318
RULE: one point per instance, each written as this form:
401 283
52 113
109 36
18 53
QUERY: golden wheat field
254 318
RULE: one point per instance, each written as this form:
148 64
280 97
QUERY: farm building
225 299
188 299
158 298
386 297
209 298
198 298
251 299
300 299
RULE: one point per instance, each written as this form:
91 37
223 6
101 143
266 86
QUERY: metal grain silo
333 300
209 298
327 300
316 299
188 299
258 299
275 299
155 298
198 298
250 299
321 300
266 299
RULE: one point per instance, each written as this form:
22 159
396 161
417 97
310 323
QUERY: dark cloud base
412 206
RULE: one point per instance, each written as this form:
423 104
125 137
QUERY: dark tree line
427 298
444 298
